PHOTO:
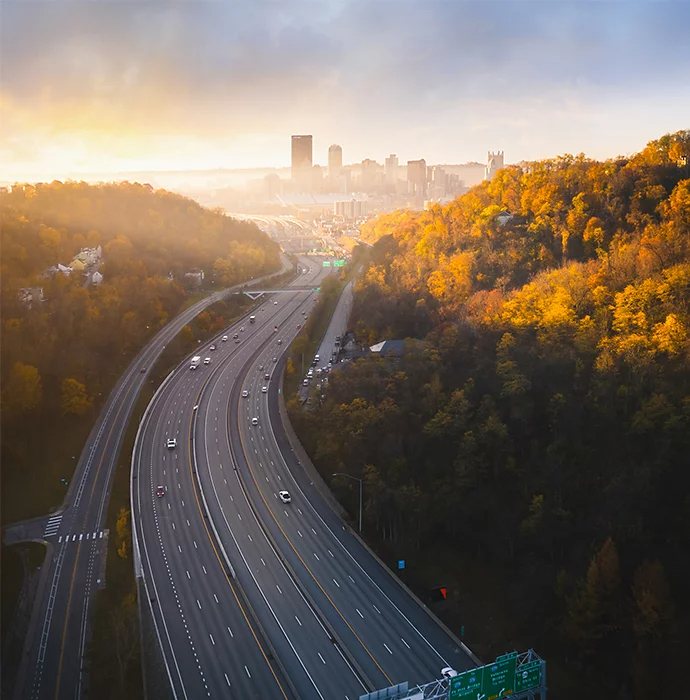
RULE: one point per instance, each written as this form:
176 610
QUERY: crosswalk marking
88 535
52 525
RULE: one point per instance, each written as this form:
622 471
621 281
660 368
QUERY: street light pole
360 495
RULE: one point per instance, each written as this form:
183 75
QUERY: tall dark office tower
302 161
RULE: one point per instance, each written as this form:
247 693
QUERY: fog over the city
120 86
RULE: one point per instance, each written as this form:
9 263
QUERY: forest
61 354
543 421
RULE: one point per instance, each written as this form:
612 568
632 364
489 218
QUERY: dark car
160 491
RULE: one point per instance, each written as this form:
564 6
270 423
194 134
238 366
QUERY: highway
211 642
52 664
266 598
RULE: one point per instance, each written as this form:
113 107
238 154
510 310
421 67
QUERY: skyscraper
335 162
369 169
494 163
302 161
391 169
416 176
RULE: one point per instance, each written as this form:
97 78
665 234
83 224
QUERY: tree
75 400
124 532
23 391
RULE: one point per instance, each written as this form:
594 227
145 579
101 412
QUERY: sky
109 86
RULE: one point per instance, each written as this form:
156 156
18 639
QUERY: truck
252 319
196 361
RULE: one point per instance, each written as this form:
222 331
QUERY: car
275 303
207 360
264 389
172 443
338 338
298 326
261 369
284 496
160 491
255 421
192 367
242 329
213 347
237 341
275 359
448 672
267 376
310 373
142 370
275 329
245 393
236 336
330 362
280 342
225 338
305 382
317 357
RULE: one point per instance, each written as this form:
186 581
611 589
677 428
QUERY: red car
298 326
160 491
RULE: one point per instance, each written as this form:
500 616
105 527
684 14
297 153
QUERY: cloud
371 70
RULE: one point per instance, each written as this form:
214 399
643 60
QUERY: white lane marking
250 537
404 642
317 556
331 553
321 657
313 530
359 613
247 670
198 603
204 568
227 680
299 533
286 514
180 548
173 524
336 583
377 610
188 525
195 547
231 634
168 506
239 516
216 598
212 642
183 504
350 577
298 622
386 645
300 512
188 576
278 587
262 561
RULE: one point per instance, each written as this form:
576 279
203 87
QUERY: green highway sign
499 677
338 263
528 676
327 263
466 685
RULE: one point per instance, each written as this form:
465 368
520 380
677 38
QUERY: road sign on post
326 263
338 263
499 677
466 685
528 676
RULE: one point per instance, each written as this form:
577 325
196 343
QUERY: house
389 347
91 256
95 277
504 217
194 277
52 271
78 265
29 295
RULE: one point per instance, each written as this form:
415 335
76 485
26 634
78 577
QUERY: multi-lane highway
52 665
247 592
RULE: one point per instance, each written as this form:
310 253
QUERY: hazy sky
110 85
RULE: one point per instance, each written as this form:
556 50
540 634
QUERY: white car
245 393
172 443
242 329
305 382
284 496
207 360
255 421
275 303
225 339
264 389
448 672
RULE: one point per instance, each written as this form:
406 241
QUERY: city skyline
111 87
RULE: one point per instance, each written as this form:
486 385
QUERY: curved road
337 620
52 664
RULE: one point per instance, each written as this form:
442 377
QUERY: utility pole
360 496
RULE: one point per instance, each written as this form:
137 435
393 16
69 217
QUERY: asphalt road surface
52 664
270 599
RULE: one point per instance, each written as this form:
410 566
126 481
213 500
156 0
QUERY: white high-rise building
391 169
494 164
